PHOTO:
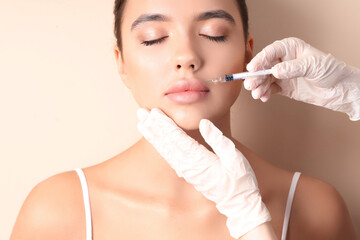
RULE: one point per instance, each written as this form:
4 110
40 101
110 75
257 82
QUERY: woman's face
171 47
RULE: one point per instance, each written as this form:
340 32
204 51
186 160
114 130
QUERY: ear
249 49
121 66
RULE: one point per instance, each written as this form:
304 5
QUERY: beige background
63 106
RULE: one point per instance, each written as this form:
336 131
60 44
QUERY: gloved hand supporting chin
224 177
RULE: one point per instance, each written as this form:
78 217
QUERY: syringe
243 75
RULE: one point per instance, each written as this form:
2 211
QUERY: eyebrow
216 14
148 18
202 17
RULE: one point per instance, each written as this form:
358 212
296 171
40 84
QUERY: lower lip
187 97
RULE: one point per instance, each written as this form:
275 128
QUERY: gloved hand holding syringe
299 71
243 75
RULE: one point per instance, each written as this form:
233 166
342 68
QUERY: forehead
177 10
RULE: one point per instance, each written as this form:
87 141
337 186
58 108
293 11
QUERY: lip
187 91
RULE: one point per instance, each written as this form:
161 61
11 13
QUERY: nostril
178 66
192 66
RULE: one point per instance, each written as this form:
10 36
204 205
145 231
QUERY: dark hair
120 5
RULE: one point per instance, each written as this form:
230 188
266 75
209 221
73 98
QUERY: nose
191 66
187 58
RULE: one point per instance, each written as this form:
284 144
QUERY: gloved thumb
223 147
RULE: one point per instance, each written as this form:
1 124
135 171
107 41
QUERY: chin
185 120
188 118
189 126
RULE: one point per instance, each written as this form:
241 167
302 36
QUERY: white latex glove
306 74
225 177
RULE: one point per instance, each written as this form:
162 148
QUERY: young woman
166 50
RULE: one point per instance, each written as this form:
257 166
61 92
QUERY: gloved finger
261 89
251 83
154 125
171 133
160 130
268 57
142 114
231 159
281 50
179 149
274 88
151 130
266 86
260 62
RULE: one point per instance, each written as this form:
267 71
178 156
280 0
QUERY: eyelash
211 38
215 39
152 42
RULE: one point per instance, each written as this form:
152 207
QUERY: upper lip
185 85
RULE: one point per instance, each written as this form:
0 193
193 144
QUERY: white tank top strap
290 199
86 199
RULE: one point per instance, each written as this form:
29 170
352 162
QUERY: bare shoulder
52 210
319 212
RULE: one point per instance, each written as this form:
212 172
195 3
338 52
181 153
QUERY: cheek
227 59
232 60
146 76
225 94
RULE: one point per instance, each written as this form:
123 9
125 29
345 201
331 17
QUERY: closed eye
152 42
215 38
